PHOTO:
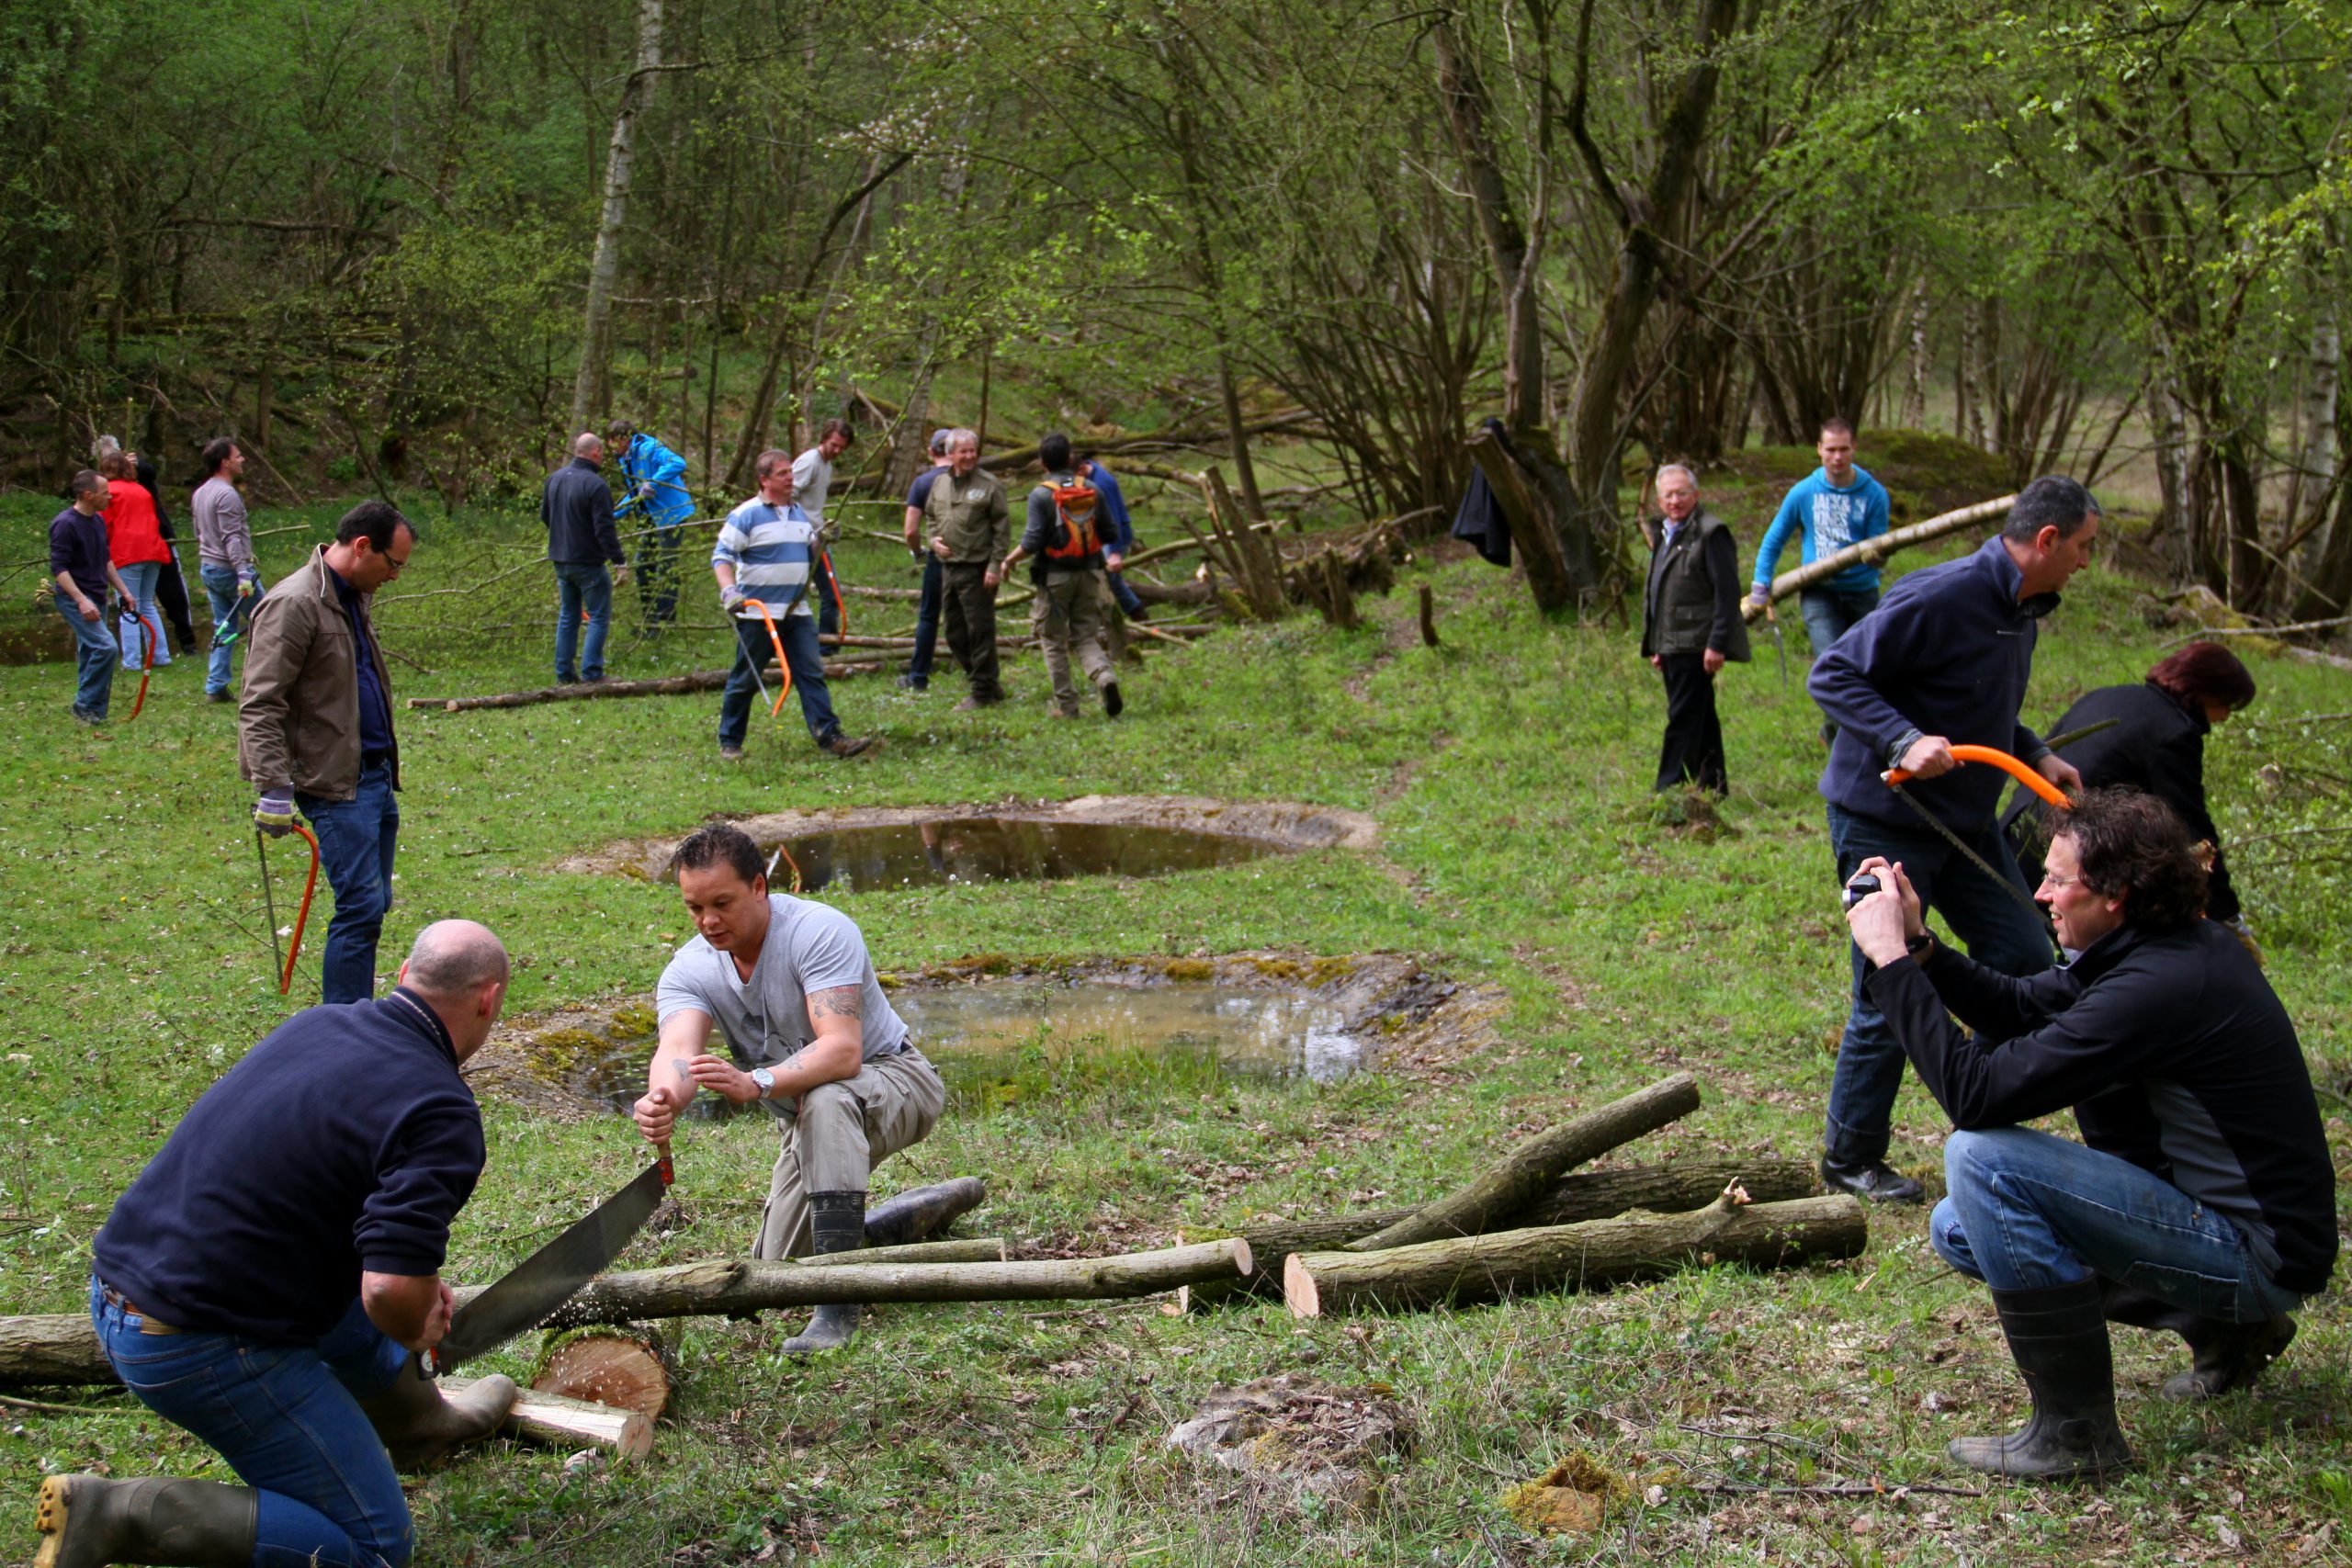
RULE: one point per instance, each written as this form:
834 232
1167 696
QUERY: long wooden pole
1870 552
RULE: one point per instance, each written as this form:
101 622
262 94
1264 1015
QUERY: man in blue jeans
2202 1196
766 561
224 557
271 1278
83 572
577 507
1944 661
315 730
927 604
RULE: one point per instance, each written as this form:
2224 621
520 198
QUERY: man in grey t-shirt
811 1036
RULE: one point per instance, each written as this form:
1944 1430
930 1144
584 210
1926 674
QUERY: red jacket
134 534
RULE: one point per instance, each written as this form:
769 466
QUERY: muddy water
995 849
976 1033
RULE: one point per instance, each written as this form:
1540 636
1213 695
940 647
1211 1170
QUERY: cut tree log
1522 1176
559 1423
1553 1257
973 1249
1584 1195
625 1368
1870 552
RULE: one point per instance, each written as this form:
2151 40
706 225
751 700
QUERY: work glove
245 587
645 491
1759 597
274 812
730 598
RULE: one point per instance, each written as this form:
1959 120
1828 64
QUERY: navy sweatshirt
1947 653
346 1141
577 507
2174 1053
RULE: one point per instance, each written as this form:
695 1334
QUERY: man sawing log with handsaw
812 1038
1943 661
271 1282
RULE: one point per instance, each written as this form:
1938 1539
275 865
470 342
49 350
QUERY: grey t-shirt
222 538
811 947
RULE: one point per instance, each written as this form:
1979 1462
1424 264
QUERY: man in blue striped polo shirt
761 561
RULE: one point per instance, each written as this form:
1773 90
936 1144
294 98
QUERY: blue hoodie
648 462
1947 653
1826 520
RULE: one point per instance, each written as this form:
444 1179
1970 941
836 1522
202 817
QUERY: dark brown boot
87 1521
418 1422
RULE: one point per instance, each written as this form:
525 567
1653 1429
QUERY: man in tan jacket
970 531
315 730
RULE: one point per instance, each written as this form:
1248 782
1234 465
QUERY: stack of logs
1524 1224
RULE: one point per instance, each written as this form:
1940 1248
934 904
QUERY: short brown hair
837 427
88 482
115 463
2132 845
2205 672
1835 425
718 843
772 459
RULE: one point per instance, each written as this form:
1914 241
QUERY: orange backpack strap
1076 505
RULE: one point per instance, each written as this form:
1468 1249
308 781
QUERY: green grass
1509 770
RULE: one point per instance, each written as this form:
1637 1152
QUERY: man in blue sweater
654 480
1837 505
578 510
271 1278
1944 661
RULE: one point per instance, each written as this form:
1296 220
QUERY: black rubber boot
838 1220
417 1423
2228 1356
2058 1338
2137 1309
922 1213
87 1521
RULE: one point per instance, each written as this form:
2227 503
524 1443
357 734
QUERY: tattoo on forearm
840 1001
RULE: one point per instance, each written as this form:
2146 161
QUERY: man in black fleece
273 1276
2202 1188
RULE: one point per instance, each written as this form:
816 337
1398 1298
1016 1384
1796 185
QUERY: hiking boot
921 1212
838 1222
1112 704
730 753
1062 712
974 704
86 716
417 1424
914 683
87 1521
841 745
1872 1180
220 696
2229 1356
2058 1340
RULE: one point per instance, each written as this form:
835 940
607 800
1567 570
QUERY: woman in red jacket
135 542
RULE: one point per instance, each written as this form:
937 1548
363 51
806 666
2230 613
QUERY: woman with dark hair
2156 742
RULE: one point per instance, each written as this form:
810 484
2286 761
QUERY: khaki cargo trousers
840 1133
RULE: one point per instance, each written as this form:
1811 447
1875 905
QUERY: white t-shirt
812 475
811 947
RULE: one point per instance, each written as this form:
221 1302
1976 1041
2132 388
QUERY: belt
147 1323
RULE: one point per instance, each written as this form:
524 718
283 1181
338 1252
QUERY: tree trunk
1597 1252
1520 1177
2330 578
592 385
1915 389
1529 514
1583 1195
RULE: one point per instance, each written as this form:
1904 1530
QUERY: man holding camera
1944 660
2202 1196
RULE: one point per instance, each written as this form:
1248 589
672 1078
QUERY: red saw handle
149 636
2003 761
782 663
294 951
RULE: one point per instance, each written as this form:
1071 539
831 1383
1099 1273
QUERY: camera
1861 887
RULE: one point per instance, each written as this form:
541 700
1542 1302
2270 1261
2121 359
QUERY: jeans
287 1419
808 666
232 611
1831 612
1130 603
95 656
1997 929
2028 1211
579 587
141 578
827 590
657 576
357 842
927 620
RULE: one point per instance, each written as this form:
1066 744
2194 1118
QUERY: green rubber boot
87 1521
838 1220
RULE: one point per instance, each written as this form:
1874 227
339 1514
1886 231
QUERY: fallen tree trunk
1523 1175
973 1249
1553 1257
560 1423
1585 1195
1870 552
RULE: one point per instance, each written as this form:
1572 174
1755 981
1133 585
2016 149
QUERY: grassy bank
1520 848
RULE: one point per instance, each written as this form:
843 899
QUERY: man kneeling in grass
2201 1197
814 1040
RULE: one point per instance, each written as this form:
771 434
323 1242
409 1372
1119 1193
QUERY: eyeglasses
2049 881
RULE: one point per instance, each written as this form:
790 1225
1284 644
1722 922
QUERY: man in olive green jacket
970 531
1691 626
314 729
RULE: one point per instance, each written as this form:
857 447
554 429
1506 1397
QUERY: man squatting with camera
2201 1197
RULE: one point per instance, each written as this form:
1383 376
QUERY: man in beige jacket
315 730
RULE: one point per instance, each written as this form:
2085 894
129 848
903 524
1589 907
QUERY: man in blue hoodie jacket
1943 661
653 479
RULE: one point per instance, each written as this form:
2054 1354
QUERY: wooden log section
1523 1175
971 1249
625 1367
1585 1195
560 1423
1555 1258
1870 552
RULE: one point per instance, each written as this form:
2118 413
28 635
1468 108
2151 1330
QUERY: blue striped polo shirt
770 547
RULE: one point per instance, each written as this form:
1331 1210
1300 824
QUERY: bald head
588 445
453 959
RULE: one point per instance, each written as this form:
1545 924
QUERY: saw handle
2003 761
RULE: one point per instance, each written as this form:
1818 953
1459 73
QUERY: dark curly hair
2132 845
719 843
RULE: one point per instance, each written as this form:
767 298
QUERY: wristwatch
765 1080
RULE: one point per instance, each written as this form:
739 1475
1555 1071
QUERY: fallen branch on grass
1870 552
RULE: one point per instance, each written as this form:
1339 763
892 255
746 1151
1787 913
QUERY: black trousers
970 606
1693 750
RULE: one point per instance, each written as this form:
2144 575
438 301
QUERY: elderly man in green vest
1690 624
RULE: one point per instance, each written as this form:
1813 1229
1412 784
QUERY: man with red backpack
1067 528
